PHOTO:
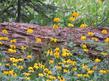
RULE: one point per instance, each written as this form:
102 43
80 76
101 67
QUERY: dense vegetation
92 12
83 59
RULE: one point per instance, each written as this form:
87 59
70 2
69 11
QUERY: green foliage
34 11
92 12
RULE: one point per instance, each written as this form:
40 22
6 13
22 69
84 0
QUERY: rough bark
18 31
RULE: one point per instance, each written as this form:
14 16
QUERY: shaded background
92 12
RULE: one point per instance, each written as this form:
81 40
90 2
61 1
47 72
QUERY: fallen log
64 35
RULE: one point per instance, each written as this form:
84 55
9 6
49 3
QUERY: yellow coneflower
75 14
56 19
83 37
104 31
29 31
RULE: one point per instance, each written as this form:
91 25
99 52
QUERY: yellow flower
65 52
104 31
4 38
29 56
85 50
29 31
74 69
11 50
90 33
5 72
70 25
1 38
27 78
13 41
57 49
26 74
106 40
20 67
73 63
54 39
7 65
83 25
12 46
52 77
14 64
4 31
69 61
103 72
21 59
104 53
23 47
84 46
85 67
51 61
65 71
61 78
38 40
41 66
56 19
11 72
14 60
47 71
56 55
55 26
36 66
90 71
50 52
86 75
40 75
95 39
79 75
30 69
75 14
1 43
58 67
71 19
97 60
83 38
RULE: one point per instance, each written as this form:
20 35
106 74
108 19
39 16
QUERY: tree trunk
18 11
